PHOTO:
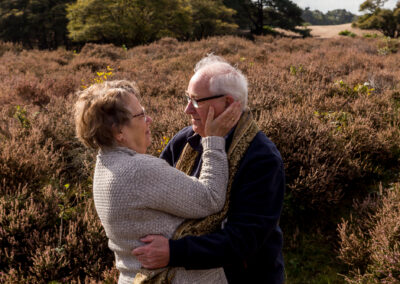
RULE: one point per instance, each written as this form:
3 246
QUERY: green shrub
374 35
347 33
388 46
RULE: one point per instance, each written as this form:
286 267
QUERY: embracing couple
206 211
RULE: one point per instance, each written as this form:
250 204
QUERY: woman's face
136 133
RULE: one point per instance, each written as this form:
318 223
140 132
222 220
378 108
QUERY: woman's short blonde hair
100 110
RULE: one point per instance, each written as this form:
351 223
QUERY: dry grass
332 31
337 139
370 240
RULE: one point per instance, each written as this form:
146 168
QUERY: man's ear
228 101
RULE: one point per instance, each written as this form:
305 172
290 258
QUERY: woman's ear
118 134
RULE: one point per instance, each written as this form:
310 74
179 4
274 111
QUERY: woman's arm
167 189
172 191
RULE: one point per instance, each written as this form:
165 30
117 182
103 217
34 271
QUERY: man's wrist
176 253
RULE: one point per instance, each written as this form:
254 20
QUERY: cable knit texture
137 194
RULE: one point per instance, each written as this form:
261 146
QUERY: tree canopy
34 23
259 15
127 22
51 23
385 20
334 17
133 22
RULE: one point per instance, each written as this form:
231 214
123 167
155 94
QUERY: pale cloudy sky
328 5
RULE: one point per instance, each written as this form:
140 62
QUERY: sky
328 5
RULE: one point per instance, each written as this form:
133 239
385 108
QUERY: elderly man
245 238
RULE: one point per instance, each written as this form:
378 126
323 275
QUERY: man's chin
198 129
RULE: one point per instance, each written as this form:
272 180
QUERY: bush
333 114
370 240
8 46
347 33
108 51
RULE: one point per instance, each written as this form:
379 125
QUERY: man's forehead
199 87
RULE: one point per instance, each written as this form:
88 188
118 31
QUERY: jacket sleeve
255 208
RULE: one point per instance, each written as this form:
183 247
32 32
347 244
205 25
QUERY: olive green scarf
244 133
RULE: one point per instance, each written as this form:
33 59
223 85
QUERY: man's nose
190 109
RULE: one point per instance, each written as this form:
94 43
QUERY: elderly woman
137 194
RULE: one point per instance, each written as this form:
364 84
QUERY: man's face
198 89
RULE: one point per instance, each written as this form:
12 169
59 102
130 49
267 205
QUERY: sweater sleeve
169 190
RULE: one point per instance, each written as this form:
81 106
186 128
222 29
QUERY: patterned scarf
244 133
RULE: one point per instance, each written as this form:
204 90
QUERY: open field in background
333 31
331 106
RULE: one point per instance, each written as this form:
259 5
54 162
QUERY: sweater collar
111 150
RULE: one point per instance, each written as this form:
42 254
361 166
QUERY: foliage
255 15
338 139
211 17
136 22
370 239
385 20
388 46
347 33
334 17
311 258
34 23
374 35
100 77
128 22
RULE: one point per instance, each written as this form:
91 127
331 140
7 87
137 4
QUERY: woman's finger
210 116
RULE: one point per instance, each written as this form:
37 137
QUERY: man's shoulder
183 134
262 146
175 146
181 138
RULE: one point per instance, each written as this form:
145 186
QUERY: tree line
47 24
376 17
334 17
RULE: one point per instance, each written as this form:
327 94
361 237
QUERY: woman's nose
148 119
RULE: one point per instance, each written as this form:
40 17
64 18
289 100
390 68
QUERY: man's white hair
223 78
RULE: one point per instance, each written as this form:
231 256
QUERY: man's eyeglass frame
195 102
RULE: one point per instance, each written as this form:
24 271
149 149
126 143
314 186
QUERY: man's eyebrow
193 95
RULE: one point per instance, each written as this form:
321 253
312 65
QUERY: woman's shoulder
149 163
126 159
130 166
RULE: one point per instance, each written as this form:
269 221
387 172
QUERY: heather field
330 105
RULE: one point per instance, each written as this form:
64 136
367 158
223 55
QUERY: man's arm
255 210
256 204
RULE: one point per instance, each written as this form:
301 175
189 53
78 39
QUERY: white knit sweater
137 194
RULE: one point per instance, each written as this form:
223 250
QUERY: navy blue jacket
249 247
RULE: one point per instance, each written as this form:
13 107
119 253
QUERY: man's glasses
195 102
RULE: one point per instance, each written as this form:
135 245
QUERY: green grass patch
311 258
347 33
